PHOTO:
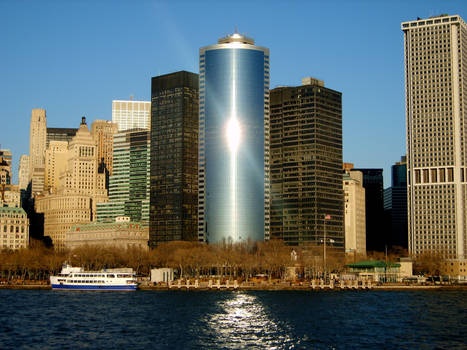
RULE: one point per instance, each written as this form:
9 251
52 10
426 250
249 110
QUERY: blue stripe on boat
90 287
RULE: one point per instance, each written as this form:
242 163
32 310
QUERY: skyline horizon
345 64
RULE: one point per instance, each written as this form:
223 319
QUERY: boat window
110 276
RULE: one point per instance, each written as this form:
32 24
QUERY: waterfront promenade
263 285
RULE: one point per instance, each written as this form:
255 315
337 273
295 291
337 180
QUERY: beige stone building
23 172
120 234
5 167
435 57
10 196
354 212
56 159
103 132
80 188
454 268
14 228
37 146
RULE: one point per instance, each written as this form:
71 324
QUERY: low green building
378 271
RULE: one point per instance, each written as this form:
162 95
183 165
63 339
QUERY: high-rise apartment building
80 188
56 159
435 57
354 213
37 147
103 132
23 172
306 164
395 206
129 184
233 141
131 114
376 232
174 157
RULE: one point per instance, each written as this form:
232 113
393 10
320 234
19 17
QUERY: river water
233 320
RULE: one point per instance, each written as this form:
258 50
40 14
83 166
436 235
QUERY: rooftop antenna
236 30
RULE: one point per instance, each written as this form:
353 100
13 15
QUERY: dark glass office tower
395 206
60 134
306 164
233 152
174 158
376 231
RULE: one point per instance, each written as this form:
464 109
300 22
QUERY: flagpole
324 250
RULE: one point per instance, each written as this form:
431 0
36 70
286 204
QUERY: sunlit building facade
233 141
131 114
435 57
37 147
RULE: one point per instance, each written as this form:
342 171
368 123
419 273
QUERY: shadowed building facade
174 158
306 164
376 232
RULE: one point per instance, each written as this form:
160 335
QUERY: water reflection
242 321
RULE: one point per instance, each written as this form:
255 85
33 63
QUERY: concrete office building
37 147
56 159
233 203
10 196
5 167
23 172
174 157
306 164
129 184
435 57
118 234
354 213
14 228
131 114
103 132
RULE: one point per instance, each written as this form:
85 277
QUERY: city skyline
42 69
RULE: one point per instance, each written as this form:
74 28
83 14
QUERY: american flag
327 217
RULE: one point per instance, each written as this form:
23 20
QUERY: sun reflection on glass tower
233 141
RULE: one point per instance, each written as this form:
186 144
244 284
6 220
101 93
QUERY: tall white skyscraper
131 114
436 107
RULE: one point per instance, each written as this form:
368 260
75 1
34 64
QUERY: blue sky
74 57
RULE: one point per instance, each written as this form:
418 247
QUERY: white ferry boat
75 278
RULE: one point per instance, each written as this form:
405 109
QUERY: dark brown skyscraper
306 164
174 158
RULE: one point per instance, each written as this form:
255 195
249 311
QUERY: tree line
189 259
194 260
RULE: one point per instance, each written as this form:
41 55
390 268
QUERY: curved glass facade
234 88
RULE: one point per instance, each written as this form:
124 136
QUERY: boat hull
97 288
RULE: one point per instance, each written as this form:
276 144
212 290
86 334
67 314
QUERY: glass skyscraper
233 141
174 158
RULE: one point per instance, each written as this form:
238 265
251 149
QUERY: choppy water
233 320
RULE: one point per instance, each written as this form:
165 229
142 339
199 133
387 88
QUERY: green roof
368 264
12 210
